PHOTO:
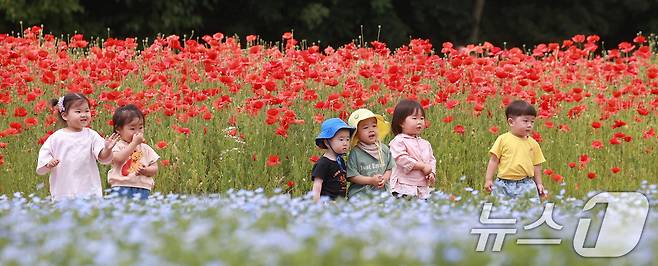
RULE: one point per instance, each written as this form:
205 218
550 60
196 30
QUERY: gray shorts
524 188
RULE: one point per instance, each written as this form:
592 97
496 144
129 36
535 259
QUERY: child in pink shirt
415 165
135 162
70 154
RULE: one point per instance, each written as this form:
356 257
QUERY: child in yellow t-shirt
516 156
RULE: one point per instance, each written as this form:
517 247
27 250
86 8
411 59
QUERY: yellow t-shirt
517 156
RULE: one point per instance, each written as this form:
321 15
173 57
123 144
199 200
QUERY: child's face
367 131
413 124
77 116
340 143
128 130
521 125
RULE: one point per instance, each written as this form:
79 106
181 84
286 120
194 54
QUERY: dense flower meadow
234 121
254 228
226 112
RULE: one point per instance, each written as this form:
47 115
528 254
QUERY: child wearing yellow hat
370 162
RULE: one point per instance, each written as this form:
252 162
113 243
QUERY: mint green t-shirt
364 164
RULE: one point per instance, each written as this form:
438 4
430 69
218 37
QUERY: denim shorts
524 188
131 192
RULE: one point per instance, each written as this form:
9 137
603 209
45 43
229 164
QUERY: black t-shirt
334 182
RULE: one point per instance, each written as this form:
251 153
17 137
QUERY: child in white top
70 154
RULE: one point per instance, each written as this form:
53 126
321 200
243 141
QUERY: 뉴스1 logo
621 229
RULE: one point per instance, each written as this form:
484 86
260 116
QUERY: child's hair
126 114
64 103
519 108
403 109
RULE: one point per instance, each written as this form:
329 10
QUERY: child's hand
383 182
430 178
111 141
379 181
488 185
141 170
138 138
540 189
427 169
52 163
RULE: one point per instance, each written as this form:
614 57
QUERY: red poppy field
226 112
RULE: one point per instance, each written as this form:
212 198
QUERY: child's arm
317 188
403 159
45 161
491 170
122 155
364 180
422 167
385 177
353 174
106 153
149 171
538 182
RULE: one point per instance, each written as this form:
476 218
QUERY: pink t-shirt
125 175
77 173
407 151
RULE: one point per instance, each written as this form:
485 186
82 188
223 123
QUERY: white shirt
77 173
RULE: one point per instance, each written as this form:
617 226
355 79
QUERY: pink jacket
407 151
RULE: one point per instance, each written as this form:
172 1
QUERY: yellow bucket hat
383 127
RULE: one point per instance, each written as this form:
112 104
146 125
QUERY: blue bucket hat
329 128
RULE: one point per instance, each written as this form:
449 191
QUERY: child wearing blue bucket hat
329 173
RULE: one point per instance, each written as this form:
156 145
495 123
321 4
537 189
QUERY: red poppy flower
557 178
564 128
596 124
165 162
571 164
207 116
20 112
451 104
31 121
314 159
618 123
3 145
639 39
273 160
536 136
493 130
548 171
615 169
649 133
459 129
597 144
15 125
591 175
184 130
584 159
162 144
232 121
615 141
447 119
291 184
